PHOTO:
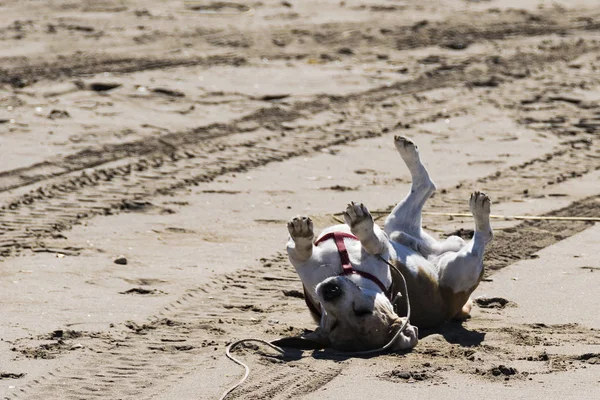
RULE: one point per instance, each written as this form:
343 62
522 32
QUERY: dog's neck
366 283
370 274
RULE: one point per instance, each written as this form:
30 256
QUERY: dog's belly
414 263
431 304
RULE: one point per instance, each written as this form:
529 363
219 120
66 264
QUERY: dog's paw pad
356 214
300 227
480 203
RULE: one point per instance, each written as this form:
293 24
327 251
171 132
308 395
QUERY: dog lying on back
350 290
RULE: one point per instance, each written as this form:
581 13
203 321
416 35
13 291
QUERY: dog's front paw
301 228
407 339
358 218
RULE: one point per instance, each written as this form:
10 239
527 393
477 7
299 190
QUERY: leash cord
246 368
354 353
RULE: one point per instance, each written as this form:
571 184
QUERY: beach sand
177 138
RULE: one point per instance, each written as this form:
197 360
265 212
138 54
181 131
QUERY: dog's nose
331 290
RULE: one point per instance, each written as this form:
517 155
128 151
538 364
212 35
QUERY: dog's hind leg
404 224
360 221
300 244
461 271
406 216
465 312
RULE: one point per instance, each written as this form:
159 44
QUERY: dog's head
356 319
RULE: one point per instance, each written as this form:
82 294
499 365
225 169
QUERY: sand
181 136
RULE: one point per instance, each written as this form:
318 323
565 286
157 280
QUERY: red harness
346 266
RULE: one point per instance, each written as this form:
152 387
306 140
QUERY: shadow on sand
454 333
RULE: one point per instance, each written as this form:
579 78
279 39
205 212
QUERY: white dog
350 289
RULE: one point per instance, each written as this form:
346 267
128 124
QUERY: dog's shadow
455 333
452 332
295 347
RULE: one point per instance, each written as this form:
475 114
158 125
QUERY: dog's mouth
335 324
361 312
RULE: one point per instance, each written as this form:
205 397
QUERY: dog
349 288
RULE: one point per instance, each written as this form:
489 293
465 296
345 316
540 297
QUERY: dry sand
183 135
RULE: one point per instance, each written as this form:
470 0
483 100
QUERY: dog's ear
407 339
311 341
317 339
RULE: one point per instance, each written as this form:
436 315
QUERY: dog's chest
326 262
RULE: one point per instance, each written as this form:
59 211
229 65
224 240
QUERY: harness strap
338 237
347 269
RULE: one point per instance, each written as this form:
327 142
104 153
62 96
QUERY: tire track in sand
455 33
76 66
189 158
274 117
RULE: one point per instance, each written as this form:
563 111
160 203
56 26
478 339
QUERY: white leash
246 368
352 354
